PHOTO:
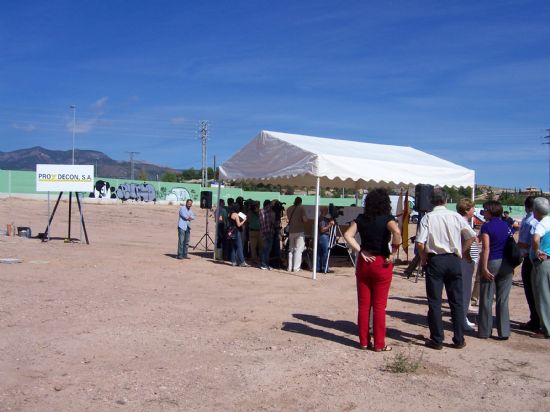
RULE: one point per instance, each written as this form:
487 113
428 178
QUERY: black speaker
423 198
206 199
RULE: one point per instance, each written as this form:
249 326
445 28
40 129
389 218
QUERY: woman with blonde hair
466 208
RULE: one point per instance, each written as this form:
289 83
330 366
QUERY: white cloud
87 125
83 126
178 120
26 127
100 103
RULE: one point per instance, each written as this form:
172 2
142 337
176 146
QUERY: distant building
531 190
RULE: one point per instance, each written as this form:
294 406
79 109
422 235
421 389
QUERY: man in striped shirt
267 227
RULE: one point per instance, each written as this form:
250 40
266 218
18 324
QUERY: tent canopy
298 160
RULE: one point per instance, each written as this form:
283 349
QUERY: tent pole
316 229
217 220
473 200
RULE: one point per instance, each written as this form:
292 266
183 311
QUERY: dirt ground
120 324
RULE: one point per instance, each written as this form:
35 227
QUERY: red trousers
373 285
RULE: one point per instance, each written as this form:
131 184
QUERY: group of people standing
244 230
534 241
448 247
449 251
496 270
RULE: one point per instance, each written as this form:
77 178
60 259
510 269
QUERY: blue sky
468 81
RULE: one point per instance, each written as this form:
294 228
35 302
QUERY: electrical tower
548 143
132 164
204 137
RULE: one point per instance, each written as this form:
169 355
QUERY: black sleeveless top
375 236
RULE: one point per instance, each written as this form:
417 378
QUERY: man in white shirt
442 239
540 277
296 215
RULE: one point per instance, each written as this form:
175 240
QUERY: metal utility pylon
132 164
204 138
548 143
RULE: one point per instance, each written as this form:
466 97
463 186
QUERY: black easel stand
46 233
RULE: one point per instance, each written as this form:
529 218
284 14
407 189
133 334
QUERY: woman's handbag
231 232
512 253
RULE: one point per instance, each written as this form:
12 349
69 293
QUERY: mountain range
27 159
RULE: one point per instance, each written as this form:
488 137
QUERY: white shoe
470 324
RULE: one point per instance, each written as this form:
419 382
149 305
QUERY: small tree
169 177
143 175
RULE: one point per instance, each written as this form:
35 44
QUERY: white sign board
64 178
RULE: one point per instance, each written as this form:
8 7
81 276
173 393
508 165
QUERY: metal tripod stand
206 237
335 232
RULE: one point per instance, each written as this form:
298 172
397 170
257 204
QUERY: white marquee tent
297 160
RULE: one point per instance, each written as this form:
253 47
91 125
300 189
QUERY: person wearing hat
510 220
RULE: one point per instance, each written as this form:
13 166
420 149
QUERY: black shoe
501 338
459 345
529 327
432 345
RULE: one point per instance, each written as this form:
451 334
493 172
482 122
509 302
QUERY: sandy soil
121 325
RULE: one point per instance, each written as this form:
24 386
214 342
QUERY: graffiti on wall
178 194
143 192
103 189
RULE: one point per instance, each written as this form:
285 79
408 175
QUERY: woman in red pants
376 227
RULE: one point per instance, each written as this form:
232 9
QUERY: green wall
24 182
16 181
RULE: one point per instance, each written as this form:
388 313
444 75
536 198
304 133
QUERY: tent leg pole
216 224
316 229
473 201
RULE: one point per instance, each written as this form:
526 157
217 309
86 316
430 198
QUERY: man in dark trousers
184 229
439 242
267 227
524 242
